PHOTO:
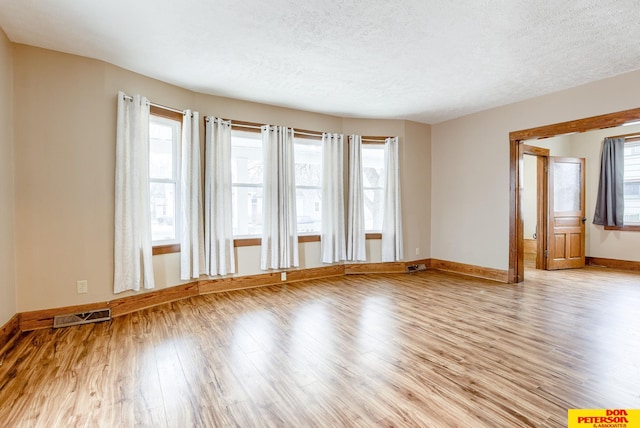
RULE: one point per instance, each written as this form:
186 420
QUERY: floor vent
416 268
81 318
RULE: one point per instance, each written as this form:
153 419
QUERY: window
632 184
164 173
308 167
246 183
373 170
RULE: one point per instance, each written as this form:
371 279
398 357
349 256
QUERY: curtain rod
175 110
253 125
627 136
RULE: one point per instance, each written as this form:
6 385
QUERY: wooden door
565 233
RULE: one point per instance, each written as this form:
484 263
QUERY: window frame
170 246
628 227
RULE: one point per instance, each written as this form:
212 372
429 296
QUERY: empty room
319 214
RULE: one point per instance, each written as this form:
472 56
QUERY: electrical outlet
82 286
283 276
417 251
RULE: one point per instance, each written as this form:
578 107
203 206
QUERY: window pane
632 183
246 176
373 165
309 209
373 203
373 170
246 158
247 210
566 182
308 159
162 149
163 211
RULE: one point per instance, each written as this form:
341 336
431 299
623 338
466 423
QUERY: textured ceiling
424 60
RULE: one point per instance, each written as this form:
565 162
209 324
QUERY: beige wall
470 166
65 115
7 242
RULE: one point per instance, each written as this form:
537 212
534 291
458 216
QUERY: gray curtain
610 202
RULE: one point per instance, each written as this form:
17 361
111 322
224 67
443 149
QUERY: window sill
165 249
624 228
254 242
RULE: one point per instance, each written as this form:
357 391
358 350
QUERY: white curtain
332 240
192 263
279 222
356 250
132 240
392 215
219 251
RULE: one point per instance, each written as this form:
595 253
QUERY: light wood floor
430 349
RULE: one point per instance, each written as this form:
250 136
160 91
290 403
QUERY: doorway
553 209
516 228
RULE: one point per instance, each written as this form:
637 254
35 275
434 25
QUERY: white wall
7 242
470 166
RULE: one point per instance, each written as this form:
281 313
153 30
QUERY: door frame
542 160
516 226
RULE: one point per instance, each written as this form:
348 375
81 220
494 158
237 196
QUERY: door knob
584 219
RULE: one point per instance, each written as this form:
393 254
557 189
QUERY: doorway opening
516 138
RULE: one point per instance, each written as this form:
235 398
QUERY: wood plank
428 349
471 270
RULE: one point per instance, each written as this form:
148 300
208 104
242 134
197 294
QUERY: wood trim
613 263
35 320
542 199
39 319
471 270
581 125
8 332
254 242
386 267
533 150
382 267
238 282
623 228
530 246
247 242
267 279
137 302
165 249
169 114
308 238
373 236
516 254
